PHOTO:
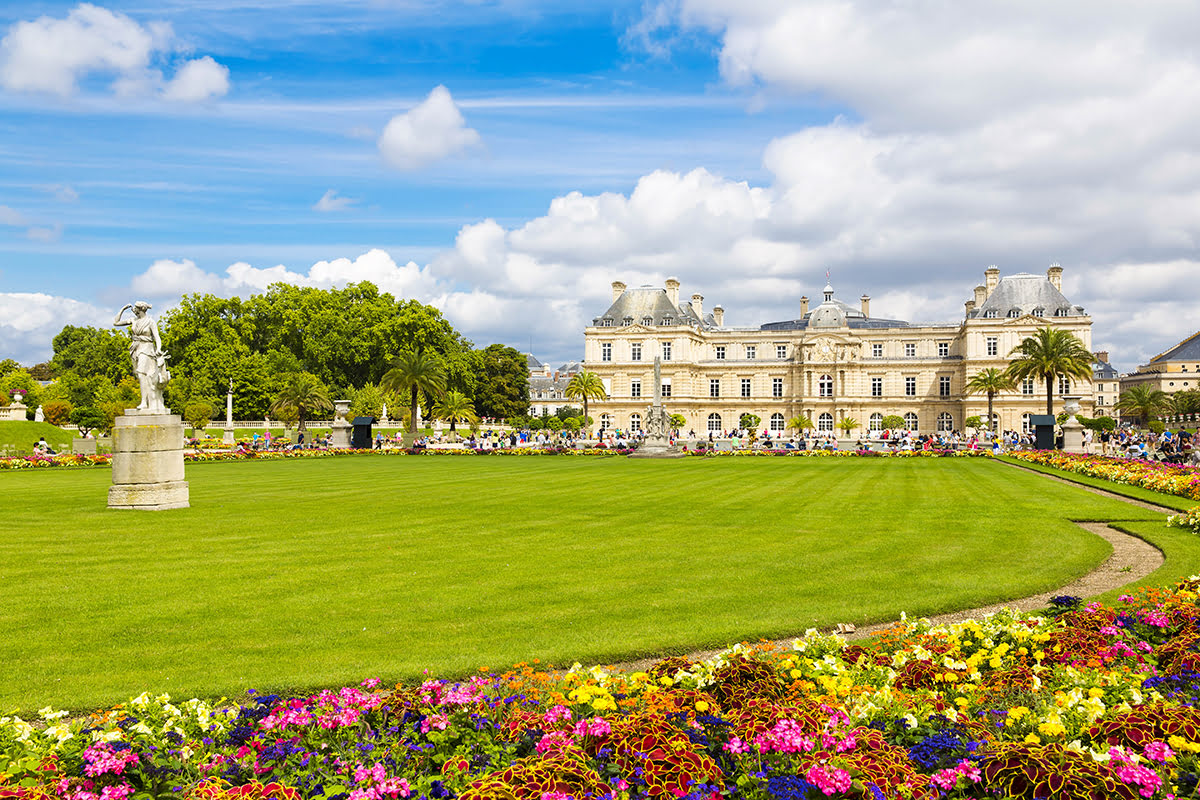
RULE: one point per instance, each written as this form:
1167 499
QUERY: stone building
548 386
1174 370
1106 384
831 362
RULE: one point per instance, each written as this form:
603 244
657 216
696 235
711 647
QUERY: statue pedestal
341 428
147 465
1072 436
227 438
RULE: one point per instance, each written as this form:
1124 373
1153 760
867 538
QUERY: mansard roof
1023 293
1187 350
645 302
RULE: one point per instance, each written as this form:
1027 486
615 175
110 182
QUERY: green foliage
455 407
198 414
554 424
584 386
1143 401
87 418
88 351
974 421
848 424
1187 402
7 366
368 402
21 381
892 421
1049 354
677 421
573 423
534 424
416 372
1157 426
991 381
749 421
567 412
58 412
303 394
503 389
800 423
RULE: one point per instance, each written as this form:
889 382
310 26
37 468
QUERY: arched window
635 422
825 423
1039 312
945 422
714 422
777 422
1026 427
825 386
875 423
910 421
605 422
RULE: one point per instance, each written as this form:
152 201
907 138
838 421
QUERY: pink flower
439 721
555 713
1159 751
829 780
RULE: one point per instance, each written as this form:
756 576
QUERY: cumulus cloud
29 320
432 130
171 279
53 55
330 201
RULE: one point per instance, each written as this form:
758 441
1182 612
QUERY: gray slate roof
1020 294
1187 350
533 364
635 305
571 367
1103 371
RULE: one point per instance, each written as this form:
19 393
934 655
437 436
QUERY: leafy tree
800 423
892 421
585 385
848 424
1143 402
21 381
573 423
1049 354
1186 402
749 421
503 387
455 406
87 418
43 371
7 366
198 414
302 394
58 412
567 412
415 373
535 424
368 402
992 381
677 421
554 423
974 421
89 351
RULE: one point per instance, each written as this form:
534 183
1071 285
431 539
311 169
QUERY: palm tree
455 406
801 423
585 385
1051 353
992 381
301 395
847 424
1143 401
415 372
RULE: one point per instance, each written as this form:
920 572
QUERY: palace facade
832 362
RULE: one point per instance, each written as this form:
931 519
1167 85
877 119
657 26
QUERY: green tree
749 421
799 424
87 418
676 421
302 394
585 386
847 424
1186 402
58 412
89 351
1143 402
992 381
567 412
415 373
892 422
973 421
198 414
8 365
1050 354
368 401
554 423
454 406
503 387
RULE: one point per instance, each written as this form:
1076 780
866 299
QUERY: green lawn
21 435
1132 492
310 573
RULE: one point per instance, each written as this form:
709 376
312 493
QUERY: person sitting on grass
42 448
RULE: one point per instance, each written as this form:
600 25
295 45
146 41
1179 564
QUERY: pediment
637 327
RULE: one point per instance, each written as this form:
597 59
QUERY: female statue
146 353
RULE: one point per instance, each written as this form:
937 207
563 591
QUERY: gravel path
1132 559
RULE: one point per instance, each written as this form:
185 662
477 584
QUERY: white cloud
48 234
172 279
29 321
429 132
197 80
330 201
10 216
54 55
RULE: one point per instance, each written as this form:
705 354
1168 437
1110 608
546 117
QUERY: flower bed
846 453
1165 478
1084 702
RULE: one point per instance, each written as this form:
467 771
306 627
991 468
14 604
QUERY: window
910 387
1039 312
876 387
627 321
910 421
990 313
714 422
825 423
635 351
945 422
1099 387
1061 312
1026 426
781 351
944 387
910 349
877 351
943 349
825 386
993 346
1064 384
606 351
635 387
776 387
714 387
745 387
720 352
751 352
635 422
647 321
777 423
667 321
606 322
1100 400
605 422
666 387
1013 313
875 423
1027 386
666 350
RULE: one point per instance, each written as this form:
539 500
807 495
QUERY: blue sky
151 149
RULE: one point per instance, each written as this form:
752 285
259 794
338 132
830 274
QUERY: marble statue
39 415
146 353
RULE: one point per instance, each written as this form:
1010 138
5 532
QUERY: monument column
228 436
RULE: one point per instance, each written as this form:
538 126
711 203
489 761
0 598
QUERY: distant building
1105 384
548 386
1171 371
830 363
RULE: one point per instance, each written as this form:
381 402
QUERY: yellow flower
701 705
1033 739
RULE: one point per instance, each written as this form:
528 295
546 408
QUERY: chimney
803 306
866 305
970 307
992 276
618 290
981 294
718 315
1054 275
1101 356
698 305
672 285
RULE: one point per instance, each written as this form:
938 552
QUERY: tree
973 421
87 418
1143 402
198 414
89 351
368 402
455 406
892 422
585 385
1050 354
1186 402
676 421
416 372
58 412
749 421
567 412
847 424
302 394
503 387
798 424
8 365
992 381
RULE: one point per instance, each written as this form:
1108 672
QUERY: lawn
292 575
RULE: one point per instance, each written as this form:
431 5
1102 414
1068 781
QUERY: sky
506 160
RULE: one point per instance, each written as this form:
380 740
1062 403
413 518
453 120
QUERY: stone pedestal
227 437
85 447
1072 436
341 427
14 411
147 465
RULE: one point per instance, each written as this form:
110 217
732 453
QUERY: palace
832 362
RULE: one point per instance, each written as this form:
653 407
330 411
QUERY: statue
39 415
146 353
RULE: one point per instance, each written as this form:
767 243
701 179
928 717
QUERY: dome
827 315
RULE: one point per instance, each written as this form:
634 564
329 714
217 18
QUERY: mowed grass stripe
306 573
